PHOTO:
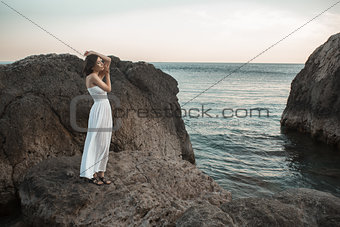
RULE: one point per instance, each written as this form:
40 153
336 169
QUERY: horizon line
227 62
219 62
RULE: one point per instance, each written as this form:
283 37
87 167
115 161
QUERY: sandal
96 180
104 180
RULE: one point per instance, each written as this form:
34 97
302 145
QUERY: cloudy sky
169 30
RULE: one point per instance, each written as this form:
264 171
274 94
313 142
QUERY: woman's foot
96 180
103 179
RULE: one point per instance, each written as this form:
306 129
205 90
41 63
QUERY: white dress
98 137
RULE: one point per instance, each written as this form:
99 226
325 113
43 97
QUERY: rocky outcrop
151 163
313 105
35 111
146 191
291 207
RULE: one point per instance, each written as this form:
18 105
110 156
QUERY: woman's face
99 66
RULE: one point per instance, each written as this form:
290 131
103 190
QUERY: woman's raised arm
105 58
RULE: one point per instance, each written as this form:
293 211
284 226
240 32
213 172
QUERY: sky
169 30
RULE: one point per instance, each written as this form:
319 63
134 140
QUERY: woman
98 137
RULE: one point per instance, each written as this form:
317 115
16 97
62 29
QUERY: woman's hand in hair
107 67
88 52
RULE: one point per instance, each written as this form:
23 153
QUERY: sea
232 114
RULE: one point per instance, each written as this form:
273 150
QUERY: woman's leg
101 173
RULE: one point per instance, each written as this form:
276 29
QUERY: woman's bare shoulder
89 80
90 75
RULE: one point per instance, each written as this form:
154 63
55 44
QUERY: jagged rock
313 105
147 190
204 215
291 207
35 97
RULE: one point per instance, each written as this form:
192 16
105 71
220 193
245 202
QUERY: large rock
147 190
291 207
35 97
313 105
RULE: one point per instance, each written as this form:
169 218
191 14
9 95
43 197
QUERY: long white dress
98 137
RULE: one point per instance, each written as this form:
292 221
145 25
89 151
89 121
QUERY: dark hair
90 61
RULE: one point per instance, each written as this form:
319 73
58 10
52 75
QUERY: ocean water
5 62
248 154
242 149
